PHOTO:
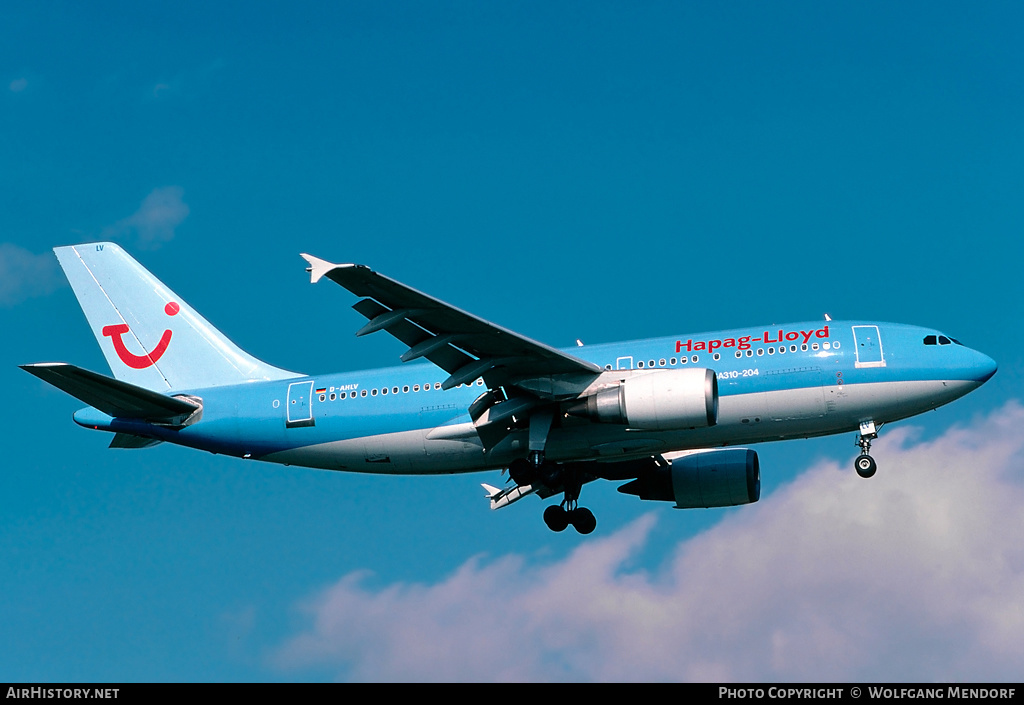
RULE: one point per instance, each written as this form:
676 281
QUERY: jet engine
662 400
706 478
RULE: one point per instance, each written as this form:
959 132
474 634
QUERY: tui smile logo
140 362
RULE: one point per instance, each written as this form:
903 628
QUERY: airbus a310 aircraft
660 415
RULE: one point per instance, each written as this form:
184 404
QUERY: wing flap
437 349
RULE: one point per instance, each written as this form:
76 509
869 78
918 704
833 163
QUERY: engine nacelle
662 400
707 478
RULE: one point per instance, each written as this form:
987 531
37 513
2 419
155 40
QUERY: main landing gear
535 469
557 517
865 464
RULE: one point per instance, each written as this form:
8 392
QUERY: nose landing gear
864 464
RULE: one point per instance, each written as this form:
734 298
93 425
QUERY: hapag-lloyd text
744 341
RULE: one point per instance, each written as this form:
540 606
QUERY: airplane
666 416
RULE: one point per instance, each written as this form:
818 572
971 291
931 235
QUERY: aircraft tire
556 518
522 472
583 520
865 466
550 474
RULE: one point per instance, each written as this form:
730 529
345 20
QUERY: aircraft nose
984 367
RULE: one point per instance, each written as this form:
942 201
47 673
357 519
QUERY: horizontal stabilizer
113 397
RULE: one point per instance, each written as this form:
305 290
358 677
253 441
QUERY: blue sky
568 170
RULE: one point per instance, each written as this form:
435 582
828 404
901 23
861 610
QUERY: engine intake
663 400
704 479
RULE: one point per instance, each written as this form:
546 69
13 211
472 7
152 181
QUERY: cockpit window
940 340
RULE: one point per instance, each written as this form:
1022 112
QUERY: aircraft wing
463 345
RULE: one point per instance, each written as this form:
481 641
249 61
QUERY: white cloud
914 575
161 90
24 274
154 222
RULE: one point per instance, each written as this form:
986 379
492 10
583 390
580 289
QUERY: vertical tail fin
150 337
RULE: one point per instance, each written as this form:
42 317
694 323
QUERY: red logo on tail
139 362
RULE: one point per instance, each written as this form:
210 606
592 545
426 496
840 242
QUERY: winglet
503 498
318 267
492 491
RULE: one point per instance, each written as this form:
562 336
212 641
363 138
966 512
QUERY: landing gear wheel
556 518
583 520
865 466
559 516
522 472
